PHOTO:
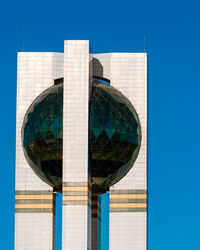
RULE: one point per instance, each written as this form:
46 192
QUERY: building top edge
77 41
122 54
45 54
109 53
42 53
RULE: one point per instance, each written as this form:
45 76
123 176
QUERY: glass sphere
42 136
114 135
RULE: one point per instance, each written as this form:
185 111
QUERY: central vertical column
75 145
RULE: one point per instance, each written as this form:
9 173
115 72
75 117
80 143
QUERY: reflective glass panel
114 135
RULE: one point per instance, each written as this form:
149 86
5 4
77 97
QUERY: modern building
82 131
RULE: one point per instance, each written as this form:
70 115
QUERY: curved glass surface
42 135
114 135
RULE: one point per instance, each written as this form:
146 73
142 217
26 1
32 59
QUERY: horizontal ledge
75 184
34 197
128 196
121 210
75 203
128 191
33 201
128 201
75 198
33 192
34 206
74 189
75 193
128 205
33 210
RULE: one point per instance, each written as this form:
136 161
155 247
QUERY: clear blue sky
173 39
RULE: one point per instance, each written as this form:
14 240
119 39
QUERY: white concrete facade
128 73
33 222
75 143
36 72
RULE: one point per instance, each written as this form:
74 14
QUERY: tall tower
81 130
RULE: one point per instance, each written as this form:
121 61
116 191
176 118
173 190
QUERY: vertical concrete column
75 145
34 201
128 198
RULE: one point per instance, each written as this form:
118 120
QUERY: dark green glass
114 135
42 136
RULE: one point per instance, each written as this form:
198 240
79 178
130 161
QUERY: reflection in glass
114 135
42 135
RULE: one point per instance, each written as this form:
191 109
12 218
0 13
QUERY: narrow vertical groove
54 222
99 223
104 223
94 225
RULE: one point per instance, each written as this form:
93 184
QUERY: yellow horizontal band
128 196
128 205
74 189
33 197
75 198
33 205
